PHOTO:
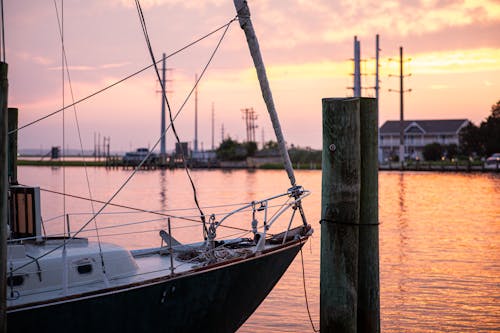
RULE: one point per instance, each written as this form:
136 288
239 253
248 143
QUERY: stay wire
305 292
135 170
77 123
123 79
151 53
135 209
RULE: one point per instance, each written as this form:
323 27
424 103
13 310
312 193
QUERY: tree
485 139
471 141
251 147
232 150
495 110
490 131
270 145
451 150
432 152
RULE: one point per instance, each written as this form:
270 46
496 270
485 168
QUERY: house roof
428 126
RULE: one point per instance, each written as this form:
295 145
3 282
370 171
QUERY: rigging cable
65 66
123 79
64 258
164 96
305 292
137 168
151 53
139 209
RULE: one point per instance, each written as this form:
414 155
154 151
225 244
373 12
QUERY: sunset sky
454 46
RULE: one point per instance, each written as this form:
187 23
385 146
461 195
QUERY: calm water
439 239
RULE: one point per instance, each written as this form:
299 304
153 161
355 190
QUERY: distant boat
136 157
67 284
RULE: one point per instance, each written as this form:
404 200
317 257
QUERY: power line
123 79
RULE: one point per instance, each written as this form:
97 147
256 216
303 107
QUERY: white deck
43 280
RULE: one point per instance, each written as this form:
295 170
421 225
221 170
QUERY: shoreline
429 167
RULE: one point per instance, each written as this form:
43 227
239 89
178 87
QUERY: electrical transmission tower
163 91
401 92
250 117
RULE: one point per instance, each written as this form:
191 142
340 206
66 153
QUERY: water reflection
401 273
163 189
439 239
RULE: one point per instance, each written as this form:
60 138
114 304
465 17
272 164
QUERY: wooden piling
4 184
340 203
12 148
368 255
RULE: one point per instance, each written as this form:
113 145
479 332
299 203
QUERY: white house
417 134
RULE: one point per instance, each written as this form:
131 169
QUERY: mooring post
368 258
340 203
4 184
12 148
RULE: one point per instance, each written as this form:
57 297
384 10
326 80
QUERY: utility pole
401 113
163 142
98 146
250 117
377 88
164 92
357 67
262 137
213 121
196 113
401 92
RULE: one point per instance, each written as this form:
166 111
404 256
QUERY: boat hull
218 299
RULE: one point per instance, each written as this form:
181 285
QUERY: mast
253 44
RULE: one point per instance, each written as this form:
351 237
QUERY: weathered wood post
12 148
4 184
340 215
368 258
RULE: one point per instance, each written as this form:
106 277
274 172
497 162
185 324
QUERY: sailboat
70 284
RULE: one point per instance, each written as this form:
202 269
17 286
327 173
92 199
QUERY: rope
305 291
122 80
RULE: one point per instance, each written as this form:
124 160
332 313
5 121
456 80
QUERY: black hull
218 300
